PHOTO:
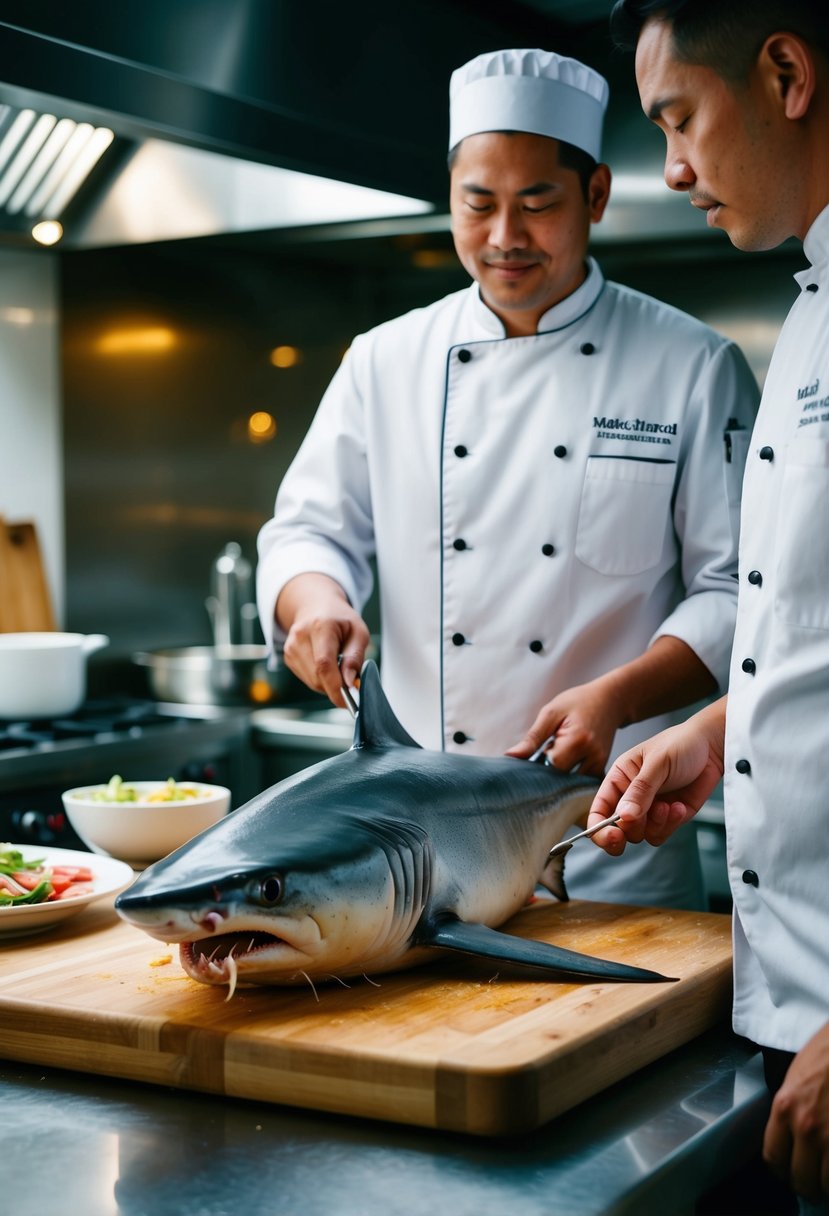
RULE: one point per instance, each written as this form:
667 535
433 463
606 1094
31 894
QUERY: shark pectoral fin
483 942
552 877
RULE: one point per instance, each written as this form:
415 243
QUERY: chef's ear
787 67
598 192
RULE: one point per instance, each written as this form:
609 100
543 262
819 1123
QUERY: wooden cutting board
452 1045
25 603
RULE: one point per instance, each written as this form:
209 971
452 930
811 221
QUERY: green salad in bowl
118 791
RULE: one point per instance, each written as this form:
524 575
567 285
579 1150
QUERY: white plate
108 878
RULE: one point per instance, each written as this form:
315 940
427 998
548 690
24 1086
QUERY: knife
565 845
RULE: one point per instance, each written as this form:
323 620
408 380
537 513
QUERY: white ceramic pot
43 675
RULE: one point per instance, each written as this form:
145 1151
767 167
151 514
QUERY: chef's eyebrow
654 111
528 191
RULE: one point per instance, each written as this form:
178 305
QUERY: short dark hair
725 35
569 157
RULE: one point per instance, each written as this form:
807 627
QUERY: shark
375 860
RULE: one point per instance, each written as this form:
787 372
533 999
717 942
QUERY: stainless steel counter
648 1146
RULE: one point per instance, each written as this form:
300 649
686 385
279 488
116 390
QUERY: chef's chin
516 295
751 237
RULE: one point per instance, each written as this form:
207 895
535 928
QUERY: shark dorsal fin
376 724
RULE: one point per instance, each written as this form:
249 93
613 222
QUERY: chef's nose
507 230
678 173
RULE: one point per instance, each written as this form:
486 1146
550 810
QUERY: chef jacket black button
811 286
464 355
548 550
459 544
750 877
560 451
461 450
767 453
458 639
459 737
743 766
587 348
536 646
755 578
749 666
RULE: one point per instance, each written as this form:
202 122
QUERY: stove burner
122 716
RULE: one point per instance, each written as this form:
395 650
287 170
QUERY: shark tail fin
376 724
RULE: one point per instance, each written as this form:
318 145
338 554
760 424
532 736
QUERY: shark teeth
216 960
230 966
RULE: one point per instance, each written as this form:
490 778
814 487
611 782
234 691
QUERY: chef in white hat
546 467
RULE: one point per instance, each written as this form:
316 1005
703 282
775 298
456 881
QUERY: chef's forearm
668 676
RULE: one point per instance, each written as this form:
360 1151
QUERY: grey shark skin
368 862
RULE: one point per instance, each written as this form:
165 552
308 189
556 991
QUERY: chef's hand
796 1143
326 639
584 721
661 783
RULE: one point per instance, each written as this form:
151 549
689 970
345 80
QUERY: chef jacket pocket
802 582
625 509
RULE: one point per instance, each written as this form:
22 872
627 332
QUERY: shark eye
269 892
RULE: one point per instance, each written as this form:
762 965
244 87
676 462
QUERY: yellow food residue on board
164 983
162 961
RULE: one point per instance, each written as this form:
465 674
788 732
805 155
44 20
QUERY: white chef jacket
777 734
541 509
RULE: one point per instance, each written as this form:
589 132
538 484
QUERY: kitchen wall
167 355
31 461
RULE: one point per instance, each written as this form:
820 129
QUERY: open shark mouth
217 960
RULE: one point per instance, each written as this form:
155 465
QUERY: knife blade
565 845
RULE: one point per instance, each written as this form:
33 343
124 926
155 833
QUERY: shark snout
174 924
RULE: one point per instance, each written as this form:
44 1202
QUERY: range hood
131 192
246 115
227 114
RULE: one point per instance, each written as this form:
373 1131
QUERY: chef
547 467
755 78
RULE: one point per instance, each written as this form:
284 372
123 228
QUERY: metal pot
43 675
218 675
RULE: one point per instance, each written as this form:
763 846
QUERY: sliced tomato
59 883
28 878
73 873
76 888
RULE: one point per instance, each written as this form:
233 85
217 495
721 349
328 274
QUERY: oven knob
27 823
197 770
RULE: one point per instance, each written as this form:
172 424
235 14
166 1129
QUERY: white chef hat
535 91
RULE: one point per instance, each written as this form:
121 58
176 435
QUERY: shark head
273 894
301 883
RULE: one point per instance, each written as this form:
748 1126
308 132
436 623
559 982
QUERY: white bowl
143 832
